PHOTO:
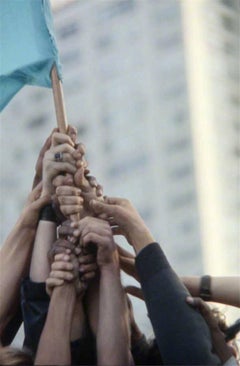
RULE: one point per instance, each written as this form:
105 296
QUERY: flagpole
60 111
59 101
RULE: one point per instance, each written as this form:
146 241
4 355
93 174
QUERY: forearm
224 290
54 345
45 237
14 264
140 237
113 334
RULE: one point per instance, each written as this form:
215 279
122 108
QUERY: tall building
212 57
152 88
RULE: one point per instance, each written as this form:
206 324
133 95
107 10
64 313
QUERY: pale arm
113 341
54 344
225 290
15 257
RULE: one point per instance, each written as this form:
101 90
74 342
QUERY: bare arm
15 255
113 339
54 345
113 333
225 290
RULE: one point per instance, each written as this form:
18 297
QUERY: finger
70 209
102 207
124 253
88 276
41 202
84 268
116 230
68 191
62 275
134 291
62 266
80 147
61 138
85 259
72 133
65 167
62 180
99 190
92 181
52 282
65 230
70 200
62 257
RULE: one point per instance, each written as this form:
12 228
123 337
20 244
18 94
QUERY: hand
60 246
38 166
93 230
64 269
220 347
121 213
63 145
69 199
30 214
87 266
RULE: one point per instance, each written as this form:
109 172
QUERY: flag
27 46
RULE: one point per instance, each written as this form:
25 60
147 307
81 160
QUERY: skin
113 339
46 231
15 253
120 213
54 348
224 290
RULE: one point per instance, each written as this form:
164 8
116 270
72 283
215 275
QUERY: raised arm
182 334
113 338
15 254
225 290
57 159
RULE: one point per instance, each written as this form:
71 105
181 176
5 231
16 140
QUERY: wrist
110 269
47 213
140 238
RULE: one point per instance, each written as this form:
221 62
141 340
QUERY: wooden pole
59 101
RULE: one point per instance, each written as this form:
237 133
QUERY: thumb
113 200
100 207
41 202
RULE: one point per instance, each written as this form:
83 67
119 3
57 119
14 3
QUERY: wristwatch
205 288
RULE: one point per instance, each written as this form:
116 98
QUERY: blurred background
153 89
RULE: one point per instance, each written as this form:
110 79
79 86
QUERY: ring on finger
58 156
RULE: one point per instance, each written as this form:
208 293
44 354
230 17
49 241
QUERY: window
234 4
70 57
68 30
116 8
182 200
37 121
229 23
124 167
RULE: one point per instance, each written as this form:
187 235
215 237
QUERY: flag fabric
27 46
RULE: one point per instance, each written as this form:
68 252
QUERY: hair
14 356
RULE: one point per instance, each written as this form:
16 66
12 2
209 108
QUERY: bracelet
205 288
48 214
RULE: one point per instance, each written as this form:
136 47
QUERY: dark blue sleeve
181 332
34 303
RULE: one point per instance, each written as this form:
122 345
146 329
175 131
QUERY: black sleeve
181 332
34 303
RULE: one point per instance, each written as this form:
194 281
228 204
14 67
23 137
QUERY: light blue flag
27 46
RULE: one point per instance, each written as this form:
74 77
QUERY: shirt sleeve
181 332
34 303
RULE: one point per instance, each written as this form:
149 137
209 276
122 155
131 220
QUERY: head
14 356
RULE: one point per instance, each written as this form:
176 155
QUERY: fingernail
190 300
